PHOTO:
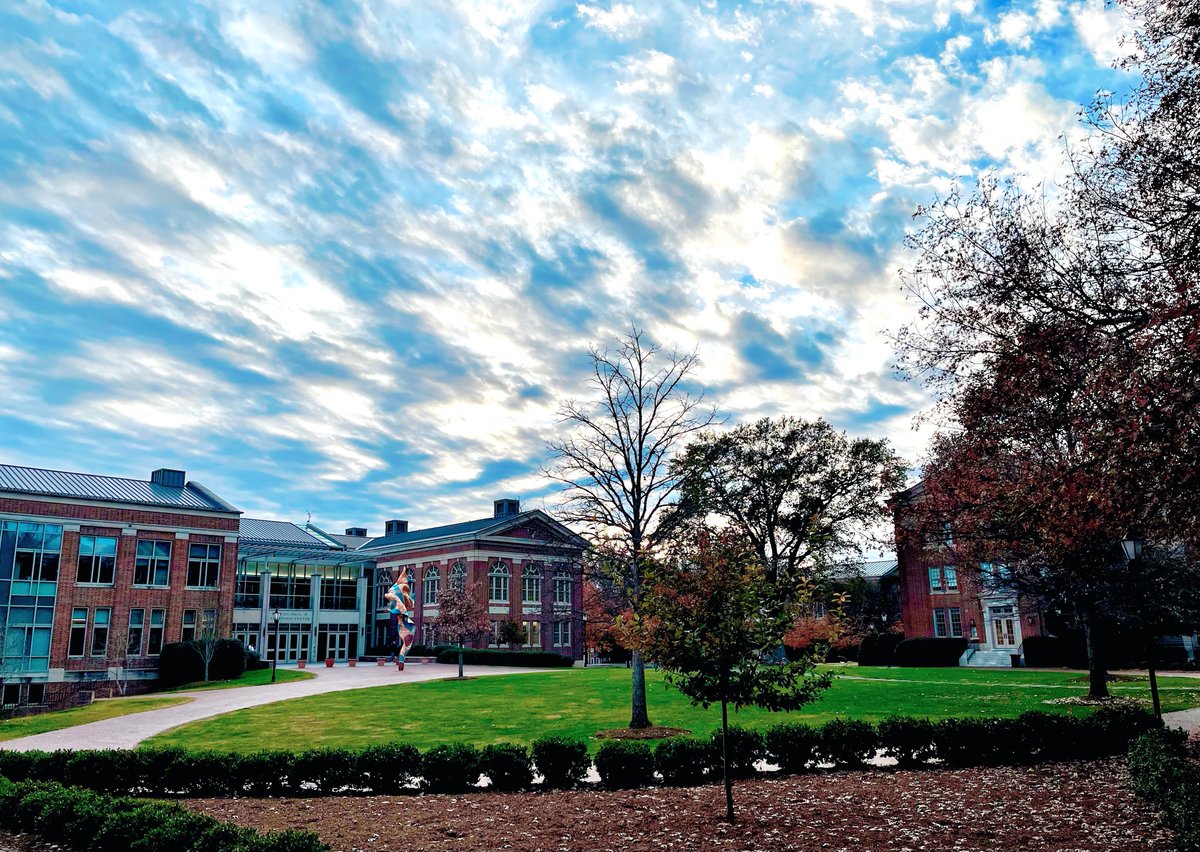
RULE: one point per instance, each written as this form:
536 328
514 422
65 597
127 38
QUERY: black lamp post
1132 545
275 654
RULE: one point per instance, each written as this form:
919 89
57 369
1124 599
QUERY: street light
1132 545
275 654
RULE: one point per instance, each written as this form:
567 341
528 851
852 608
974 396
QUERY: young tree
614 465
710 621
512 634
208 636
462 617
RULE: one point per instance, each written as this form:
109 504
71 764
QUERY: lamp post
1132 545
583 620
275 653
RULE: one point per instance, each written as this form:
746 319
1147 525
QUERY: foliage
1052 652
614 467
512 633
500 657
387 768
909 740
562 762
508 767
742 747
185 662
1161 772
450 768
462 617
624 763
847 743
878 649
924 651
683 761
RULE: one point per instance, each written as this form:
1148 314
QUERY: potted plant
301 663
329 662
352 662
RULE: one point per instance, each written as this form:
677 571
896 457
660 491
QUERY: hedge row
84 819
183 662
1162 773
1032 737
497 657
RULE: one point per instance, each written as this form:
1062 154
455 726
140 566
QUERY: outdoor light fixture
1132 546
275 652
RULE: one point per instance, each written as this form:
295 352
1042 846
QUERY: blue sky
347 258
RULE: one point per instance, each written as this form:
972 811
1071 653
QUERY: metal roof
872 570
351 541
432 532
108 489
256 530
269 552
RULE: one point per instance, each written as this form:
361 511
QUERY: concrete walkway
129 730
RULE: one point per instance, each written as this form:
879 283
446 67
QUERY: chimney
505 508
357 532
395 527
169 478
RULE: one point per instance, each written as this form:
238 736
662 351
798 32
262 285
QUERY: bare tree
208 636
614 466
462 617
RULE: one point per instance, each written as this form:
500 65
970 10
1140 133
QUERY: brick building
98 572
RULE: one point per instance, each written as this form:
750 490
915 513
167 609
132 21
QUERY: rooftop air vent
395 527
505 508
169 478
357 532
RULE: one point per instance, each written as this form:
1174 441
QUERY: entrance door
1004 626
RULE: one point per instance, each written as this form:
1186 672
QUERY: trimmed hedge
496 657
929 652
842 743
1162 773
182 662
85 819
1051 652
878 649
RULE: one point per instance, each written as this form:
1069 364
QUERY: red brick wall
72 511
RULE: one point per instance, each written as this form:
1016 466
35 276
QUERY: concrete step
991 659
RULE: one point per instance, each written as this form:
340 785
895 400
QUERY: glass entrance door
1004 626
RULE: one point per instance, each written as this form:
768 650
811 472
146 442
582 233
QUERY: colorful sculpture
401 626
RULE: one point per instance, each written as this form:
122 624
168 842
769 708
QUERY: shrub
507 766
846 742
793 746
1161 772
975 742
388 768
746 747
449 768
682 762
910 741
562 762
625 763
877 649
229 660
179 663
266 773
1054 652
495 657
929 652
323 770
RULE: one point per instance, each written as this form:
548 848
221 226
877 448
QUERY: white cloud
621 21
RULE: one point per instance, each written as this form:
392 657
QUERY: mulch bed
654 732
1069 807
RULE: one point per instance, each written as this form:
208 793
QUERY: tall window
97 559
498 582
187 631
533 634
956 622
458 575
935 579
153 564
158 623
531 584
204 566
339 587
939 623
950 575
562 634
247 591
76 641
35 550
291 586
562 589
100 619
137 625
432 587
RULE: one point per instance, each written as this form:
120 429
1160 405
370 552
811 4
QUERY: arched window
458 575
433 585
531 584
562 588
498 580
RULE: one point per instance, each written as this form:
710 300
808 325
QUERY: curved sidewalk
129 730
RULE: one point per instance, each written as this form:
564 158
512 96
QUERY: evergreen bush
682 762
562 762
507 766
450 768
792 746
624 763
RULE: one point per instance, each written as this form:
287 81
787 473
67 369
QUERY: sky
347 258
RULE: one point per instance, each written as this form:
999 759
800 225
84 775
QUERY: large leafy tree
614 464
462 617
710 622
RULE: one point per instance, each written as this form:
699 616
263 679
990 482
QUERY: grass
258 677
107 708
579 702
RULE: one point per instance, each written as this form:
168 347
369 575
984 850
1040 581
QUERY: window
533 634
458 575
818 609
956 622
75 642
137 625
158 623
246 632
428 634
939 623
562 634
12 694
100 618
495 637
935 579
97 560
531 584
498 579
37 693
35 550
247 592
951 576
153 564
948 534
291 586
562 589
383 582
339 587
433 586
204 566
188 631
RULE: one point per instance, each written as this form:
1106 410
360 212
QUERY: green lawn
103 709
258 677
579 702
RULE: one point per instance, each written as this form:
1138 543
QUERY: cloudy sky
347 257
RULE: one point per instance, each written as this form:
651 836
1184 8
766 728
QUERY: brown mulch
1070 807
654 732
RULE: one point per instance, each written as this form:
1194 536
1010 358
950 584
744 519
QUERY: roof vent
169 478
395 527
357 532
505 508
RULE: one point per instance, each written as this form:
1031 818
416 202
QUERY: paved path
129 730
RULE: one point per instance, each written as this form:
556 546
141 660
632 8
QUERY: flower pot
301 663
352 663
329 662
381 662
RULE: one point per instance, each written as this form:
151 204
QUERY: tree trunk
725 759
639 719
460 656
1097 671
1150 661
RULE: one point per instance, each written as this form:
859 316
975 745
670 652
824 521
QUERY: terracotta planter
381 662
329 662
352 663
301 663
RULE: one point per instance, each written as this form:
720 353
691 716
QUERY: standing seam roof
112 489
